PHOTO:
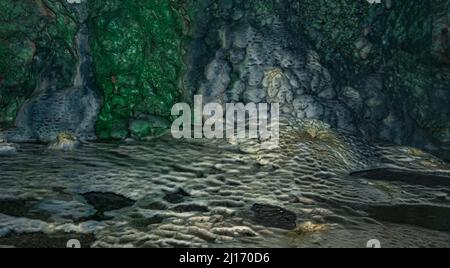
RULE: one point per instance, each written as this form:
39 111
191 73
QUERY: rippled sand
218 193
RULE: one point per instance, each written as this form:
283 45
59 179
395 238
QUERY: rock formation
51 109
376 70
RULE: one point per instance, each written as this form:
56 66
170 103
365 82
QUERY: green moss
28 29
138 52
400 45
141 128
261 10
138 45
413 82
339 23
17 47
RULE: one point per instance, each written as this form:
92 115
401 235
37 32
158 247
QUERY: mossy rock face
141 128
149 126
137 48
32 34
406 42
119 131
17 48
138 52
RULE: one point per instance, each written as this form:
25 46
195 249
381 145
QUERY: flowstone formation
243 51
138 52
380 70
395 56
65 97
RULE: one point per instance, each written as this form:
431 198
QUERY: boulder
65 142
7 149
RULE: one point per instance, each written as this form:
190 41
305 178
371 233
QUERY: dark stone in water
104 202
427 216
273 216
154 206
23 208
143 223
409 176
7 149
176 197
41 240
15 207
190 208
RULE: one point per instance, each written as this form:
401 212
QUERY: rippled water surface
198 193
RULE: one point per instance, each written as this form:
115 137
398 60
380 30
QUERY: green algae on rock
404 42
387 64
138 53
33 33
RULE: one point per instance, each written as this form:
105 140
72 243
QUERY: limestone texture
376 70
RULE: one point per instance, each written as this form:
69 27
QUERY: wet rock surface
15 207
258 61
272 216
360 67
54 107
176 197
104 202
411 177
7 149
214 193
428 216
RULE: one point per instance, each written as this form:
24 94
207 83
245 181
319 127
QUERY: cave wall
33 34
138 52
63 95
403 45
379 70
245 51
